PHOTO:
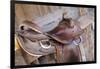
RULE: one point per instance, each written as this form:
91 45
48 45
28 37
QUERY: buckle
77 41
45 44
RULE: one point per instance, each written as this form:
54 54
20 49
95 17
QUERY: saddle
61 40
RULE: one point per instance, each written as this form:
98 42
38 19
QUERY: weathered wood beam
85 21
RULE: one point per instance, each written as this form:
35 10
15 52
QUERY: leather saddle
34 41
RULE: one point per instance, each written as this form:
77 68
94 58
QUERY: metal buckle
77 43
45 44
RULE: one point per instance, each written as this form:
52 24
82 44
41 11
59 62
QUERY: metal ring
80 38
45 46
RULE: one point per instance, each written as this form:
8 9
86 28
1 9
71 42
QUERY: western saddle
59 45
